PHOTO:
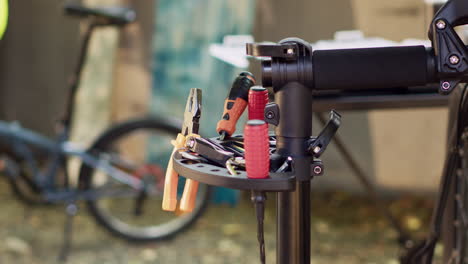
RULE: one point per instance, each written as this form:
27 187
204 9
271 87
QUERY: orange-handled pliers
190 127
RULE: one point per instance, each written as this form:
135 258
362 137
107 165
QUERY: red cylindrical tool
258 98
257 149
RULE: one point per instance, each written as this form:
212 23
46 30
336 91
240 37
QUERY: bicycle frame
22 139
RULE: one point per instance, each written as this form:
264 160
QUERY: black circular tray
219 176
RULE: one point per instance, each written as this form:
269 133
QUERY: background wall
408 145
310 20
37 54
133 69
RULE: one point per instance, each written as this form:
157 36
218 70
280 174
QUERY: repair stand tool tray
219 176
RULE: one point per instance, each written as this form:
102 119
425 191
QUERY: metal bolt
317 149
454 59
191 143
317 170
290 51
445 85
270 115
441 24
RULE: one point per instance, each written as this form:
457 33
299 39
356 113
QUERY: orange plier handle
171 181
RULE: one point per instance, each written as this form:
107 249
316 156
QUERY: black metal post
293 208
74 81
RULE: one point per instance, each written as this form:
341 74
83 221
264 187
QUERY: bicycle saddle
108 15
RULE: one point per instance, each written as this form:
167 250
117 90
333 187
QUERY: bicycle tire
455 224
120 227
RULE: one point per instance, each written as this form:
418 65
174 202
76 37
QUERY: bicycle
118 185
297 73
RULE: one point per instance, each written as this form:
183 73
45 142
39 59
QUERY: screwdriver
235 104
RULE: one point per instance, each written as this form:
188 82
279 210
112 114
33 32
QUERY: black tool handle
373 68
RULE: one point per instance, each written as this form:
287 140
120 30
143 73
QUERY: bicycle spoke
461 208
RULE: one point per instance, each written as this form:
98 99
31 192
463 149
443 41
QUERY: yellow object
187 203
3 16
189 197
172 178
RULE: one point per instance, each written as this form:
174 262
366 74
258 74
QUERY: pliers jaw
192 112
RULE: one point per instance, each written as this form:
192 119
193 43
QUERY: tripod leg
403 238
71 211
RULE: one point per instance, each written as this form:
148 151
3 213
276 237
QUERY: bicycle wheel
141 148
455 224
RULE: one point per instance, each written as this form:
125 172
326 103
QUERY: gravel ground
345 229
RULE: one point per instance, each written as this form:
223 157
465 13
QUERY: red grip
258 98
257 149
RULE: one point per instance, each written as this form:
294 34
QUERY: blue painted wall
183 32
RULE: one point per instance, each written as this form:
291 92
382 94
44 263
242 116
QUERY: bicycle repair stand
290 73
292 114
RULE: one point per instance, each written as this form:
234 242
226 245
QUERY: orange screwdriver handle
233 111
189 198
172 178
235 103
